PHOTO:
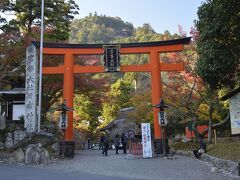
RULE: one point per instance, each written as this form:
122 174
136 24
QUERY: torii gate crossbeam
155 67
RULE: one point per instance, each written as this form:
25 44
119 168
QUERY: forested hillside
99 29
104 29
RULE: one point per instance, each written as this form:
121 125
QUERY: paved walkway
119 166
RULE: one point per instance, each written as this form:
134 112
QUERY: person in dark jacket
202 149
101 141
89 143
116 143
105 144
124 143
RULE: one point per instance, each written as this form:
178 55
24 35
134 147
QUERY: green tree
219 42
23 27
188 96
99 29
86 112
117 98
142 106
27 16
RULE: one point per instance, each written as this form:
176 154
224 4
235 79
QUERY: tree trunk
210 131
216 125
210 124
196 133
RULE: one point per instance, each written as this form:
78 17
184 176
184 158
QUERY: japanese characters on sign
30 119
63 121
235 113
146 140
111 58
162 118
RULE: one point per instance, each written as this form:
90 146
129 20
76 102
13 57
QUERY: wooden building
12 105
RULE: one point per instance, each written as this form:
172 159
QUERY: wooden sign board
235 113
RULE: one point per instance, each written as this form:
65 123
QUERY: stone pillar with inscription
30 119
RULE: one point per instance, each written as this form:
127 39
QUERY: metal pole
40 69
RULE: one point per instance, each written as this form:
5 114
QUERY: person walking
89 143
105 144
116 143
124 143
101 141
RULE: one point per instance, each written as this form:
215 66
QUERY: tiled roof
13 91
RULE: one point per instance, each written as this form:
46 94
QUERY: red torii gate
154 67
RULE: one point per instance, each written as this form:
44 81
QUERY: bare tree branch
214 126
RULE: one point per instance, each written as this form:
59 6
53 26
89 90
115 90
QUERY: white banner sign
30 119
146 140
235 113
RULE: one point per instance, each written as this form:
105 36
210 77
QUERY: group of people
105 143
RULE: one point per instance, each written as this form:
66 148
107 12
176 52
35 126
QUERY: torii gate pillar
68 92
156 90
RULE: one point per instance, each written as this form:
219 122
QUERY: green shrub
184 146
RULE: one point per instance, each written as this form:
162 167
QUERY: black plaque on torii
111 58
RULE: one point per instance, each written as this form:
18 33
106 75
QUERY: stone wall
36 154
28 148
13 138
228 166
